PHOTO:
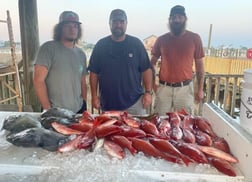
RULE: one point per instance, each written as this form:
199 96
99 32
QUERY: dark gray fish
38 137
47 121
15 124
59 112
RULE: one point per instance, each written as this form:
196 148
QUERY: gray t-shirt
65 69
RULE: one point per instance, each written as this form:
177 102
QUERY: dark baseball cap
118 14
69 16
178 9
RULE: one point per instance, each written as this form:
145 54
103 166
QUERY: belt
176 84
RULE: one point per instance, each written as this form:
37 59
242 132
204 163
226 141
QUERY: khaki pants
137 108
170 99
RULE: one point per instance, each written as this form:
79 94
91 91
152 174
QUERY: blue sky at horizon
230 18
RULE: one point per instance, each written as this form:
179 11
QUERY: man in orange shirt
178 49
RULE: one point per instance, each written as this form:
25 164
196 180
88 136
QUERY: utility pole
209 37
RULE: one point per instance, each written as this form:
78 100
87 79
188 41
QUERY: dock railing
224 90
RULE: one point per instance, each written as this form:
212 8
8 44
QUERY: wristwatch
149 92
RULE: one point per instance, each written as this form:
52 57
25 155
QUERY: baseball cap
178 9
118 14
69 16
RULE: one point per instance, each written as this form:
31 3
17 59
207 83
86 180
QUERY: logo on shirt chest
130 55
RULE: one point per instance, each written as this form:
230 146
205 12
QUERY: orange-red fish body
85 121
65 129
114 114
149 128
176 133
223 166
71 145
148 149
191 151
217 153
188 136
221 144
188 122
80 127
183 112
145 147
132 132
102 118
155 119
131 122
203 125
106 130
202 138
124 143
86 140
87 115
174 118
167 147
164 128
114 149
175 121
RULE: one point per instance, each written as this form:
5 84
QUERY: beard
177 28
117 32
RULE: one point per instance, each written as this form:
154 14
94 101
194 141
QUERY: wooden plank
30 45
226 93
233 97
217 90
8 99
217 65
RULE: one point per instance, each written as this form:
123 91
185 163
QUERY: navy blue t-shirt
119 66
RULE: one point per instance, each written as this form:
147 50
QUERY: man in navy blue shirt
120 65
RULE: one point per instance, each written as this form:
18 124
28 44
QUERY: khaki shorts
170 99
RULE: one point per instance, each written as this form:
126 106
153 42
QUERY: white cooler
17 161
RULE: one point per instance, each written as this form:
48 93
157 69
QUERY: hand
146 100
46 108
96 102
199 95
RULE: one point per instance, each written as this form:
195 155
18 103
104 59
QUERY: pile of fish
177 137
29 131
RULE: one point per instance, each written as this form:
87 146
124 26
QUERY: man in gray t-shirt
60 67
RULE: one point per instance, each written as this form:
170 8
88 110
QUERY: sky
230 19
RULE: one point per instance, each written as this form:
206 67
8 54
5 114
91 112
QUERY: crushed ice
82 165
